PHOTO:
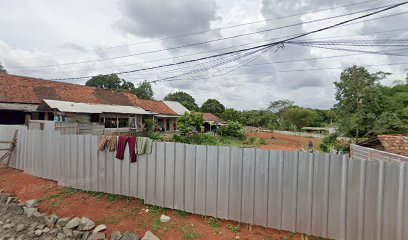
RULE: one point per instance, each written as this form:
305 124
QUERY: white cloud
32 31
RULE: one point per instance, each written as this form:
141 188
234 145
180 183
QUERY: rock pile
20 221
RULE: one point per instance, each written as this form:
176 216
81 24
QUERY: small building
111 117
212 122
397 143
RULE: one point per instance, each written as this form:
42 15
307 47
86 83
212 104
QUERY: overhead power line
204 42
240 45
207 31
256 47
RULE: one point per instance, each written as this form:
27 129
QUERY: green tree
358 101
299 117
213 106
232 129
184 98
231 114
144 91
2 69
278 105
188 122
111 81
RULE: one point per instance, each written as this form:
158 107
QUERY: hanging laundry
103 142
144 145
131 141
112 143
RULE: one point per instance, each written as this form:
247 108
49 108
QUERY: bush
199 139
233 129
149 124
188 122
155 136
330 143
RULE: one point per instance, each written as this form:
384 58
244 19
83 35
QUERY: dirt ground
276 141
127 214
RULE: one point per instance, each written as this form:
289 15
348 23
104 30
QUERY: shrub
149 125
200 139
188 122
232 129
330 143
155 136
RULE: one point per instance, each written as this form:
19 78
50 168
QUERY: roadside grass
214 224
234 228
189 233
215 140
182 213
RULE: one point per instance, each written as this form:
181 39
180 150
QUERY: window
123 122
111 123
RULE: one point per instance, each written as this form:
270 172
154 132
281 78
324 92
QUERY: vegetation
2 69
232 129
184 98
330 143
213 106
189 122
113 82
214 224
234 229
365 108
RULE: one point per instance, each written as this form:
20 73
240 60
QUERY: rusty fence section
324 195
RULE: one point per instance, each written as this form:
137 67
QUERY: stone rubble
21 221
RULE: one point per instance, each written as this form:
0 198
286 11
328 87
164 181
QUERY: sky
63 39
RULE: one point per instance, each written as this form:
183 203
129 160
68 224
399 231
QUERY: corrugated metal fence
324 195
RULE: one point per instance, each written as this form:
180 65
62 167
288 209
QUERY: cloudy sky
62 39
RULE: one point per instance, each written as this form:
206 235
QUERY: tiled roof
211 117
397 144
19 89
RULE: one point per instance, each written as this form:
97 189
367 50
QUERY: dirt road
276 141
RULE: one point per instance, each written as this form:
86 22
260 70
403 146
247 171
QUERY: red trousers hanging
120 150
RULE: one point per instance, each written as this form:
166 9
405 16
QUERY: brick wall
397 144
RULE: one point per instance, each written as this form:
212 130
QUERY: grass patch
189 234
234 229
214 224
182 213
156 226
156 211
215 140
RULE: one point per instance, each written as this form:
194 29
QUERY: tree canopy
2 69
212 106
144 91
111 81
184 98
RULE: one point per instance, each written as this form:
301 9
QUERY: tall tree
111 81
299 117
358 101
278 105
144 91
184 98
213 106
2 69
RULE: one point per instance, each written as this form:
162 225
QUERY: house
397 144
212 122
23 99
110 116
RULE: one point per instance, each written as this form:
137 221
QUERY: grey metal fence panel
261 188
320 194
179 178
190 176
391 208
212 181
371 200
275 189
305 190
160 171
235 186
223 167
248 188
289 192
200 179
355 199
337 197
169 175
